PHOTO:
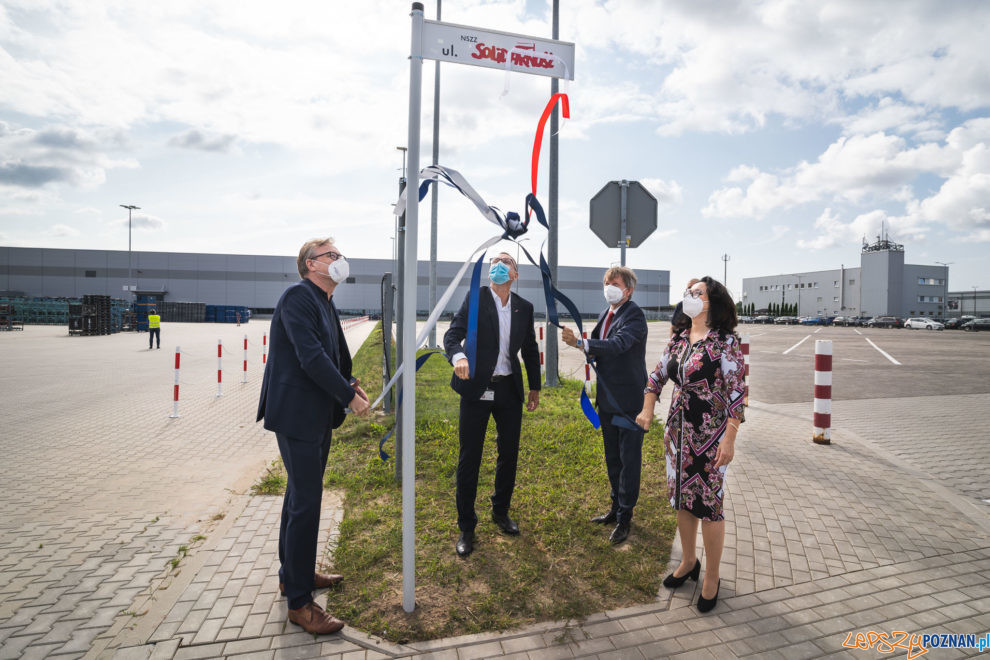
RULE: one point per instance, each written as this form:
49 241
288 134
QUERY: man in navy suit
618 346
505 326
306 386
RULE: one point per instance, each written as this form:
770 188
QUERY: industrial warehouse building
882 285
257 281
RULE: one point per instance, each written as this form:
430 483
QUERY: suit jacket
308 373
521 337
621 358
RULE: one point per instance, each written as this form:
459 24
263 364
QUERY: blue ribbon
420 361
471 341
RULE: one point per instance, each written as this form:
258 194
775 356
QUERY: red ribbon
565 110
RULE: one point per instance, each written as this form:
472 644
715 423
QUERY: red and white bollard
264 348
744 347
244 378
543 367
823 392
175 390
587 370
219 367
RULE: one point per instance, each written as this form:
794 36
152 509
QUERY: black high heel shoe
672 582
708 604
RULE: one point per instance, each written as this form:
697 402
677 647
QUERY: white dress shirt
503 367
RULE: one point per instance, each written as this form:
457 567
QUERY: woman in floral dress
705 362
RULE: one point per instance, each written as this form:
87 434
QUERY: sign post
623 215
462 44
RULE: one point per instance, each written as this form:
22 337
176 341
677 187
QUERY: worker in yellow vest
154 329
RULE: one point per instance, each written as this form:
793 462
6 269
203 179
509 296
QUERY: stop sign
606 213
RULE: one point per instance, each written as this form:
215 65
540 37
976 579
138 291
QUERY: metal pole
435 192
725 270
400 288
623 192
129 207
409 328
551 355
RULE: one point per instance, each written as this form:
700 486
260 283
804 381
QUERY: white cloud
193 139
63 231
668 193
141 222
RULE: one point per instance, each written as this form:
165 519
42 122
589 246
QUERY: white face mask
337 270
692 306
613 294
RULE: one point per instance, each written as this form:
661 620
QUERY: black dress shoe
605 518
708 604
465 544
672 582
506 524
619 534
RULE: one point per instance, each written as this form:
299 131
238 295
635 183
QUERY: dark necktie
608 322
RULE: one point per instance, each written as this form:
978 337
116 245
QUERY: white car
923 324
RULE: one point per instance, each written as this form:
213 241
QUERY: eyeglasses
694 293
333 255
505 260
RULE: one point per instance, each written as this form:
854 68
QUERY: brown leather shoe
320 581
313 619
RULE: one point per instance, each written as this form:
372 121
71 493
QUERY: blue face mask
499 273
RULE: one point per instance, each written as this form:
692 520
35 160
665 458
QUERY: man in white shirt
505 327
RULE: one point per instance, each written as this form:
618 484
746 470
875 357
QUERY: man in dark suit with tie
306 386
505 326
618 346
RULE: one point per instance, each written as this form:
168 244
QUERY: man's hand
359 404
644 419
462 369
534 400
569 337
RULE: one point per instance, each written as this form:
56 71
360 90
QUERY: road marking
852 360
883 352
798 344
857 331
758 334
818 330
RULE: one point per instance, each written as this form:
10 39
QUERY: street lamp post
799 295
130 208
975 286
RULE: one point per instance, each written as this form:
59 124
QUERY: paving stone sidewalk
821 542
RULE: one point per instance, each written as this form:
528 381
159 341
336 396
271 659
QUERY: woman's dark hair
721 309
680 321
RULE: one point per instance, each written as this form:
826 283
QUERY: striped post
244 377
264 348
823 391
219 367
543 367
744 346
587 370
175 389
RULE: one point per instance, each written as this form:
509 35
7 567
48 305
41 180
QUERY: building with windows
969 303
882 285
257 281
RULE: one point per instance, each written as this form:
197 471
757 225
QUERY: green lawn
560 567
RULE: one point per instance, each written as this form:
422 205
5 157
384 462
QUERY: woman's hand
725 452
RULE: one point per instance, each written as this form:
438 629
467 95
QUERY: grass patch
273 481
561 567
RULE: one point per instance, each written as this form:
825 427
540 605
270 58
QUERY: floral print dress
709 390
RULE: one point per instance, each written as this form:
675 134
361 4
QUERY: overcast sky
779 133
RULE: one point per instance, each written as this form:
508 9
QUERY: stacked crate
182 312
226 313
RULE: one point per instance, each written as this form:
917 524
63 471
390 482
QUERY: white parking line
852 360
818 330
758 334
882 352
857 331
796 345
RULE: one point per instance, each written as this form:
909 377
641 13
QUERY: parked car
885 322
954 323
845 320
763 318
923 324
815 320
786 320
745 319
976 325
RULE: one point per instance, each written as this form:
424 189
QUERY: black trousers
305 462
153 334
624 462
507 411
